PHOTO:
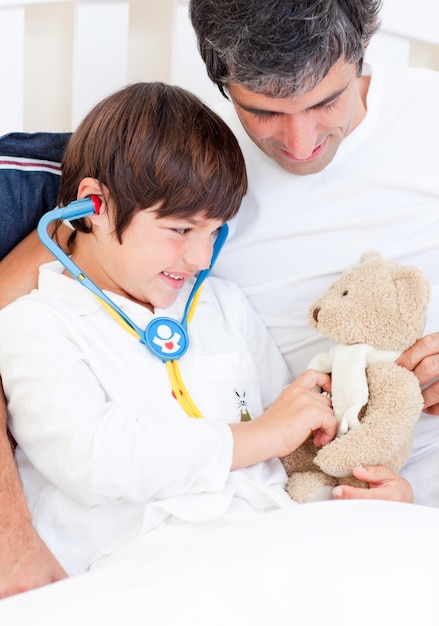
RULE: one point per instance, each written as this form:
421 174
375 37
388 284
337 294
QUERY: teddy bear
373 312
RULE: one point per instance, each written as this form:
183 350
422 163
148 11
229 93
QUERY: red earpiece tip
96 203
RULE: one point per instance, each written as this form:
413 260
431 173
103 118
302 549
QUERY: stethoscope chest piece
166 338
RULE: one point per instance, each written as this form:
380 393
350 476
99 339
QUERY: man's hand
423 360
384 484
26 562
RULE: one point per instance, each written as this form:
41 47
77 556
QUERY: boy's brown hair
153 143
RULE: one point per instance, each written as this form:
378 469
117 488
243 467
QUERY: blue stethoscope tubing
148 336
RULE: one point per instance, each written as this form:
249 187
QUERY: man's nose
300 136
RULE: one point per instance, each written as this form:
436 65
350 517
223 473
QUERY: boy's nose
199 254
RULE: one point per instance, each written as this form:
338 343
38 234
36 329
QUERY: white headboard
64 56
409 33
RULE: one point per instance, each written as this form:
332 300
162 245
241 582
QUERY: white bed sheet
351 562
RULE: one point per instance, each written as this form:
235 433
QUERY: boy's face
156 257
303 134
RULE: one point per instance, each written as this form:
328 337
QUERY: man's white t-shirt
294 235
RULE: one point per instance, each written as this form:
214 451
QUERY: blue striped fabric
29 178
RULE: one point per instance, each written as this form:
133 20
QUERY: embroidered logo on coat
242 406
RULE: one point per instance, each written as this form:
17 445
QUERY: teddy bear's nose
316 314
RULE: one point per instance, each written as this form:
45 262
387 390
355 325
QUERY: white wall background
60 57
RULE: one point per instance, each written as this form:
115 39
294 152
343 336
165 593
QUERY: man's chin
300 168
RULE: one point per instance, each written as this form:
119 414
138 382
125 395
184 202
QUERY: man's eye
180 231
264 115
328 106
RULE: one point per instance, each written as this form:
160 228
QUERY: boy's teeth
173 276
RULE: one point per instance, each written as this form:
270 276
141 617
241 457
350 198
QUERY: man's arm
25 560
19 268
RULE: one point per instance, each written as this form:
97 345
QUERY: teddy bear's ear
413 294
370 255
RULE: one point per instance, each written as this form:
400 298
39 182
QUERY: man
341 159
319 147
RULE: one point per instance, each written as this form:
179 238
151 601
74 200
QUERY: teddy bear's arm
383 355
385 435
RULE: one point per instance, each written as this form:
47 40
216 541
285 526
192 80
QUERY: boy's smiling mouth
174 276
174 280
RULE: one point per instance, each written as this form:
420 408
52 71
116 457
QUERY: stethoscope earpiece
97 203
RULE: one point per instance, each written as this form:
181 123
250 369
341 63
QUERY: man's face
302 134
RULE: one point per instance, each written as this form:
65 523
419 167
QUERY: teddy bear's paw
301 460
321 493
310 486
341 473
338 459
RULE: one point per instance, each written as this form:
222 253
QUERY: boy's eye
180 231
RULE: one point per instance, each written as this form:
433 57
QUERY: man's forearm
25 560
13 505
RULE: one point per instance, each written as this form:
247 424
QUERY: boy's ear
90 187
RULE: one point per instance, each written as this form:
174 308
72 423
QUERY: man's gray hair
281 48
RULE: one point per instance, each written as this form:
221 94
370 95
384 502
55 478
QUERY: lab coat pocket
225 387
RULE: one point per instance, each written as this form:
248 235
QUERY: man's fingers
431 398
425 347
428 369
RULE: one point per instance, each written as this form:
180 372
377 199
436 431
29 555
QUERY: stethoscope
164 337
